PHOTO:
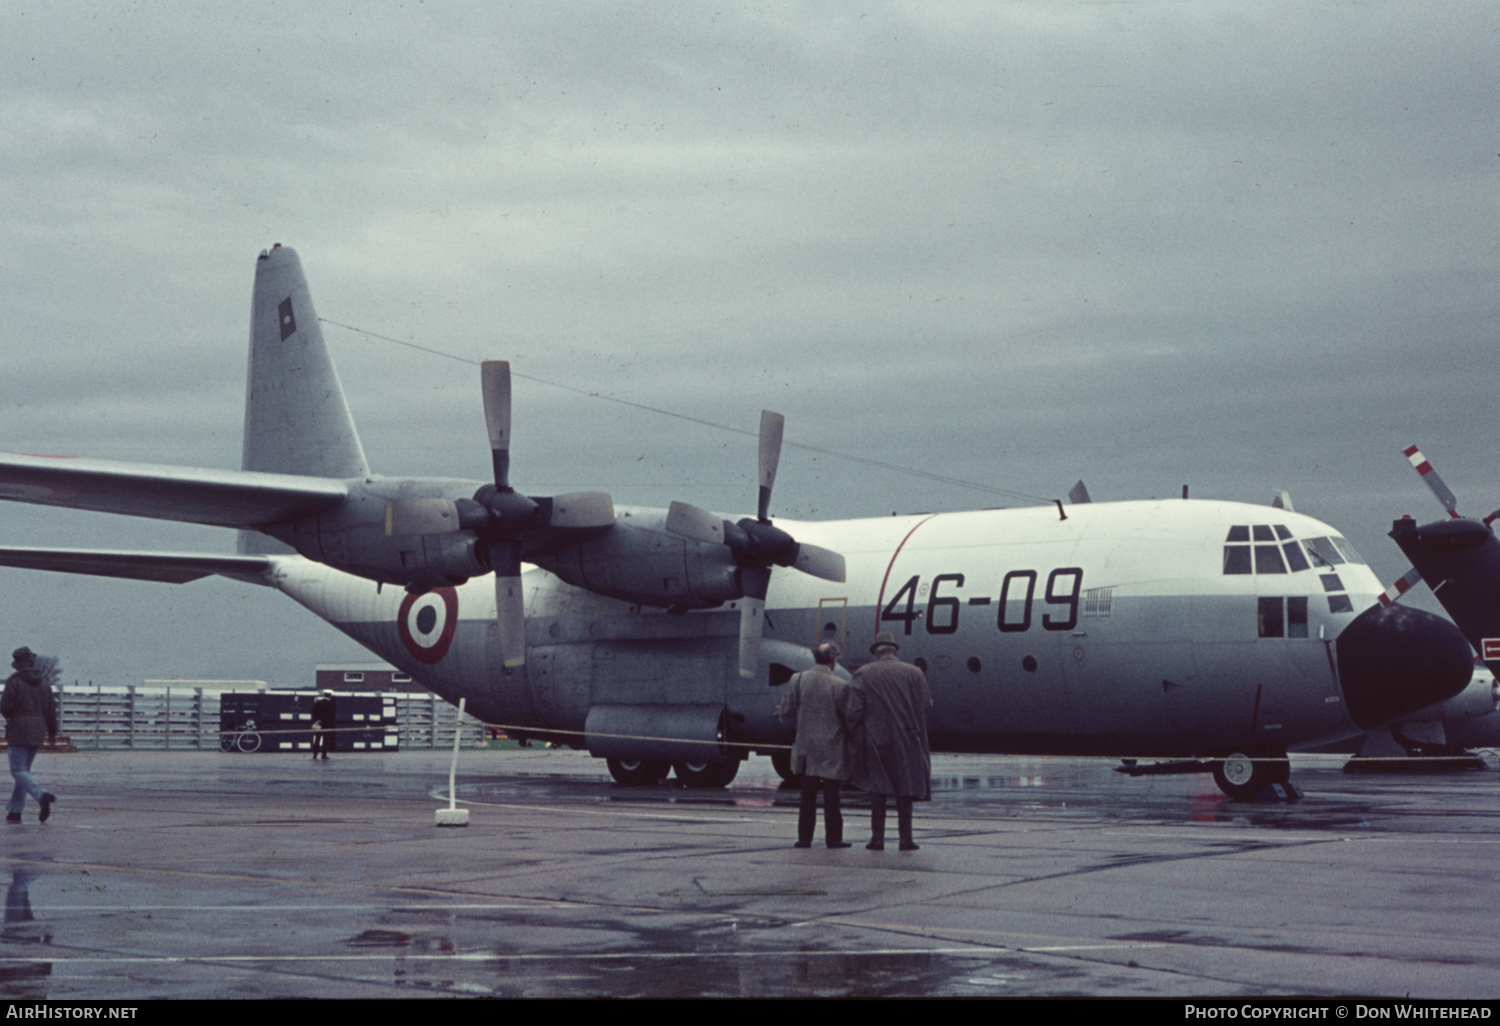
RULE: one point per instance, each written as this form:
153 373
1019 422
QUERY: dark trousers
322 741
877 818
807 816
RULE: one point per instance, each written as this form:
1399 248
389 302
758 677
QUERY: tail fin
296 418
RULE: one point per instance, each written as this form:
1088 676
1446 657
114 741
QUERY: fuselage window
1237 559
1263 532
1331 582
1283 618
1296 617
1271 625
1340 604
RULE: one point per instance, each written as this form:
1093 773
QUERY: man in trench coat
815 702
887 717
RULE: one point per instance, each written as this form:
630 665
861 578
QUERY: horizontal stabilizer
163 567
219 498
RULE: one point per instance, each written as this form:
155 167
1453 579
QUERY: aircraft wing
219 498
165 567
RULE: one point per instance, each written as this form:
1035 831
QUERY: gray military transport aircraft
658 638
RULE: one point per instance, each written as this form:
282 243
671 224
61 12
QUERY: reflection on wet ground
207 875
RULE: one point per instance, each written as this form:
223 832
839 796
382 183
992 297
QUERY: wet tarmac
188 875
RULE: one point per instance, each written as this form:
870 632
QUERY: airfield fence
157 718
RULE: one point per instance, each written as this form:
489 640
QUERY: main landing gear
650 772
706 774
638 772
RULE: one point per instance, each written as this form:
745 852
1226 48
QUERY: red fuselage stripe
880 600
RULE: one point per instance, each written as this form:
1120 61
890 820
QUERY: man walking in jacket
30 714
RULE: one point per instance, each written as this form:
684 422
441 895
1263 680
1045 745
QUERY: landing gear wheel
249 742
1241 776
638 772
706 774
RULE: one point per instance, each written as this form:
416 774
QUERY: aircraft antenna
928 475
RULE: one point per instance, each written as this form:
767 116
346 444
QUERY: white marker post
453 816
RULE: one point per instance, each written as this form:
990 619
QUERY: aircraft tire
706 774
1242 776
638 772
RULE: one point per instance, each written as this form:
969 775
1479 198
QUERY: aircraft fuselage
1130 628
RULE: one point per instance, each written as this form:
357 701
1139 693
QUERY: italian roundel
427 623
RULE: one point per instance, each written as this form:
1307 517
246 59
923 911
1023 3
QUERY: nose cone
1394 660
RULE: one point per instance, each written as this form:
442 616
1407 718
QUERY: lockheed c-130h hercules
658 638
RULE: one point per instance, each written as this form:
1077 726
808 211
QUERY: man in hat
325 717
887 716
814 700
30 714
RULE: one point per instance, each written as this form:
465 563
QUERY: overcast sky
1240 247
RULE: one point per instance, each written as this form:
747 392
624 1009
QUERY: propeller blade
752 616
754 581
421 516
820 562
771 427
494 376
695 524
1404 583
510 608
1417 460
1079 493
582 509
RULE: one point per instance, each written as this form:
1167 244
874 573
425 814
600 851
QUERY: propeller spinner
757 544
502 518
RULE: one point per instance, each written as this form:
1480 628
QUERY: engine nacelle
353 537
638 561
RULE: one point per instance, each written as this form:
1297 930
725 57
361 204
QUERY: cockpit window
1268 560
1241 557
1237 559
1348 550
1294 557
1322 552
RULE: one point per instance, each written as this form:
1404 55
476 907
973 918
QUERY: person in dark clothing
887 715
324 716
30 713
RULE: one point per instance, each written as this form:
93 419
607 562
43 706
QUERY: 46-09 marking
1017 590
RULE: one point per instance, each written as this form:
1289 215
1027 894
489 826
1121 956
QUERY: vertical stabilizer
296 418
